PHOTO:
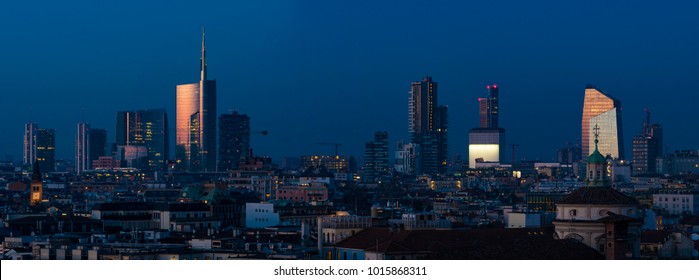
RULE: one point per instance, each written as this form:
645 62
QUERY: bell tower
37 187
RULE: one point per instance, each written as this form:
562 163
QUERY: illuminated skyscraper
428 126
604 111
196 122
234 140
148 129
487 142
488 108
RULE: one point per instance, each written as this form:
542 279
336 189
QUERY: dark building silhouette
234 140
46 149
647 147
40 145
98 144
90 144
376 158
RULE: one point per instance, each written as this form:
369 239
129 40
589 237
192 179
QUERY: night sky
336 71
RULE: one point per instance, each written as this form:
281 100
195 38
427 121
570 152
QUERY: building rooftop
597 196
488 244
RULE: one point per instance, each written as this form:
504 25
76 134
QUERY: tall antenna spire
203 54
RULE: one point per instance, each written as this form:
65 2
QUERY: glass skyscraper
145 128
46 149
603 111
40 145
376 158
196 122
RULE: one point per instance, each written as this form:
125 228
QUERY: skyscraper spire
203 54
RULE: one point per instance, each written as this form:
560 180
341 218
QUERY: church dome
596 156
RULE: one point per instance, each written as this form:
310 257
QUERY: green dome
596 156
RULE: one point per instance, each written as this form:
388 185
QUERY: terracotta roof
597 195
490 244
654 236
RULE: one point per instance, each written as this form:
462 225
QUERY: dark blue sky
336 71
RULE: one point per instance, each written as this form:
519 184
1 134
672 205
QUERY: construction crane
337 145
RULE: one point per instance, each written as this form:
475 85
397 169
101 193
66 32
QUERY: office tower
98 144
148 129
487 142
30 133
90 144
196 121
428 126
406 158
376 158
82 148
234 140
647 147
604 111
46 149
488 108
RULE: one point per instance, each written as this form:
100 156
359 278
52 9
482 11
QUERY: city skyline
619 68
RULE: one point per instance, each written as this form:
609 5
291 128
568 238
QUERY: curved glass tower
604 111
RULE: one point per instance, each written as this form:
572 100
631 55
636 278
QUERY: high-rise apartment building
647 147
487 142
145 128
234 140
376 158
428 126
196 122
603 111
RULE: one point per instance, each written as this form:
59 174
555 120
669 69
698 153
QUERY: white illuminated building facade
486 144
